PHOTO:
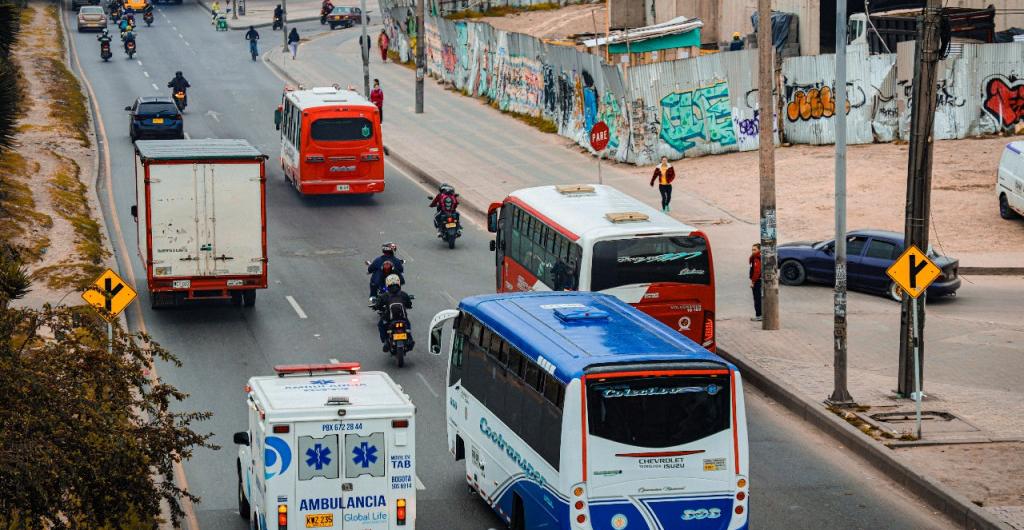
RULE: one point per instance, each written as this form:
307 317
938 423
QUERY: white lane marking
450 298
145 73
182 37
138 61
187 44
187 137
155 87
295 306
426 384
419 484
333 360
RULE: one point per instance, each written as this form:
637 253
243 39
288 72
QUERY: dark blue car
155 117
868 254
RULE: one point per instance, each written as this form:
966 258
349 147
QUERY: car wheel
243 503
1004 208
895 292
792 273
132 135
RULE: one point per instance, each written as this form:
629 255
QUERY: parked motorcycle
179 100
105 51
129 48
147 17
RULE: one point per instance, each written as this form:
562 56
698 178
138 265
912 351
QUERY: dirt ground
980 471
964 208
557 24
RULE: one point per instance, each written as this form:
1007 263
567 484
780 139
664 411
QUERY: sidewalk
971 364
260 13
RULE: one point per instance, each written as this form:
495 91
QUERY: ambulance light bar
286 369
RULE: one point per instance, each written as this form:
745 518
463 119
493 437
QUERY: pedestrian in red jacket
377 97
755 279
382 44
664 173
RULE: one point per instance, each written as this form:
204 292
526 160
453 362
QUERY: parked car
1010 181
91 17
868 254
345 17
155 117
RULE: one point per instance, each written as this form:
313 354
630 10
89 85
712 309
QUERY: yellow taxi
135 5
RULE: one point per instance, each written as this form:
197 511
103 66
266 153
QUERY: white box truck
202 221
327 446
1010 181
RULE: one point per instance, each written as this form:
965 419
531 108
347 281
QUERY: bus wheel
518 521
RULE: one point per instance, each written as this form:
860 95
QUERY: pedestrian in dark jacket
755 279
736 43
664 174
293 42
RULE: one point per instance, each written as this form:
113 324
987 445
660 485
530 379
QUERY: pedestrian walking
755 279
293 42
664 174
382 42
377 97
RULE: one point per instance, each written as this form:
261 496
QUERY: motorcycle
277 24
105 51
148 18
131 19
179 100
449 228
222 22
396 327
324 11
129 48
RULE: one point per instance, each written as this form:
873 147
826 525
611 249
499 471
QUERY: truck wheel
236 298
1004 208
155 302
249 298
243 503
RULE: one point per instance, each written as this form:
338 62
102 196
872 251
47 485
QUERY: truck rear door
174 211
232 221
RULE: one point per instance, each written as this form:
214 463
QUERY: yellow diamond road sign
913 271
109 295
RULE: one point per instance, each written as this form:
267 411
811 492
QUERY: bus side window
474 337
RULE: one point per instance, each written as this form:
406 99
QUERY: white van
1010 184
328 446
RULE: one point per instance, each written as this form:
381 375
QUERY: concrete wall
626 13
706 10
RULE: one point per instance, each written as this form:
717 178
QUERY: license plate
343 187
400 336
449 225
319 520
158 120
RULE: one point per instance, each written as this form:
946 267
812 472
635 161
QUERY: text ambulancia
327 446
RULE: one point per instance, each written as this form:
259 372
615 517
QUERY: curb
202 4
957 507
992 271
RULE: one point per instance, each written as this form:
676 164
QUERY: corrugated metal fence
708 104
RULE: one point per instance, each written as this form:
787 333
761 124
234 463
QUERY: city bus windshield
673 259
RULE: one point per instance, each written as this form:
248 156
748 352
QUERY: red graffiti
449 58
1005 102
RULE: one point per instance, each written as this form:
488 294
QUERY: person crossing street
253 37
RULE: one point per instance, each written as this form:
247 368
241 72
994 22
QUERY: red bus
596 238
331 142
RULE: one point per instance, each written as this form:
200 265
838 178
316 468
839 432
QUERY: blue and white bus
574 410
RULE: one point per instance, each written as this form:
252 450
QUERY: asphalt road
799 479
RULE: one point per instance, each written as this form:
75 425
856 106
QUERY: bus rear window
675 259
341 129
658 412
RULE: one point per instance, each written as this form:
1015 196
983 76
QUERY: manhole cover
932 422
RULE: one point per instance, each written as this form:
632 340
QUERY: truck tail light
400 512
399 424
371 158
280 428
314 158
282 517
709 329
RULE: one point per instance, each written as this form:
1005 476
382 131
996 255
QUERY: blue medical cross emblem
365 454
319 456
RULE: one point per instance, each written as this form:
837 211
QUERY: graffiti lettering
611 115
749 127
816 101
943 96
1004 100
700 114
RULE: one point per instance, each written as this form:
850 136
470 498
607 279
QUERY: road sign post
109 295
599 136
913 272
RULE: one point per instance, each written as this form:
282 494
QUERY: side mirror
435 341
135 211
493 245
830 249
492 221
129 109
277 118
241 438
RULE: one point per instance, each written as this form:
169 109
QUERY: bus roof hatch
627 217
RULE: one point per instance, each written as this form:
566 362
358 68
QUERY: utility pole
769 252
421 53
840 395
365 50
919 182
284 24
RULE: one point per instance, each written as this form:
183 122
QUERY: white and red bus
331 142
596 238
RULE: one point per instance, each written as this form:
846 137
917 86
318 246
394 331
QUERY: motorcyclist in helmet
126 37
376 268
179 84
393 295
446 202
104 37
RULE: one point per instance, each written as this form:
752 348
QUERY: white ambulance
328 446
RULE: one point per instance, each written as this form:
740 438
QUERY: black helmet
447 188
177 74
388 248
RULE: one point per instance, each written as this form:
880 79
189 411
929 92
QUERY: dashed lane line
295 306
155 87
426 384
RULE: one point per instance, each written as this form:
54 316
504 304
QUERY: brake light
281 429
371 158
581 518
450 220
400 512
282 517
315 158
709 328
399 424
